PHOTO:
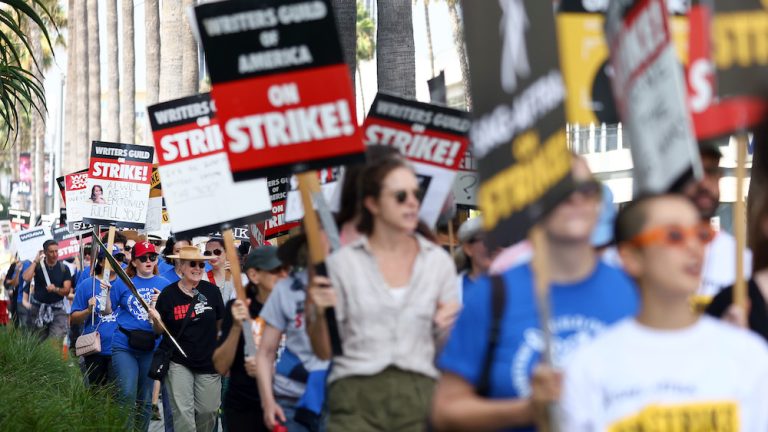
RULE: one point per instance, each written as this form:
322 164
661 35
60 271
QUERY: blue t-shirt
130 314
579 311
107 324
84 274
163 266
22 284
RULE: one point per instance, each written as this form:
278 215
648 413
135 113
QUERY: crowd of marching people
424 345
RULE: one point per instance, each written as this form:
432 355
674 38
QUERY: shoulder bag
161 359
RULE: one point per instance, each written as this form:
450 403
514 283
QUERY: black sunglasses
588 188
402 195
119 256
216 252
127 248
150 257
193 264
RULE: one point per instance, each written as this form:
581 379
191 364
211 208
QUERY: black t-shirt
758 310
57 274
199 338
242 394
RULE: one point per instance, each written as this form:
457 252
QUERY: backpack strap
498 301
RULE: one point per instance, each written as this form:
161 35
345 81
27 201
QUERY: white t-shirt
720 265
632 377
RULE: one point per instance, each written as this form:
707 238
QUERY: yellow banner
697 417
155 190
583 57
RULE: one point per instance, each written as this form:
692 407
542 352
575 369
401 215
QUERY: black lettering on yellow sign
538 169
155 183
740 39
699 417
165 216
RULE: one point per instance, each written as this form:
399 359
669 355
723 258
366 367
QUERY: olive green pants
392 401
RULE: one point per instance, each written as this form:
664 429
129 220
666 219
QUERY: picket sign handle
740 221
249 349
450 236
541 278
110 245
308 185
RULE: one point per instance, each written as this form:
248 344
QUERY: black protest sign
277 225
738 35
650 89
283 93
518 133
20 218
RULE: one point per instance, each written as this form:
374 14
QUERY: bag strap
498 301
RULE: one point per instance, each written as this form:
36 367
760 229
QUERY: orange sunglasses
674 235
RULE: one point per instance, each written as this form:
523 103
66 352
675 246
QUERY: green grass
41 392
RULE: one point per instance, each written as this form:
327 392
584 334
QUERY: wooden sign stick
249 349
307 185
740 221
540 267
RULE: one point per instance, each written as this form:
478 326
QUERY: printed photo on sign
298 114
118 185
518 131
433 138
197 183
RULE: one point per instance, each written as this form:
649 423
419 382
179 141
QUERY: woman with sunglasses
194 386
395 296
219 273
134 340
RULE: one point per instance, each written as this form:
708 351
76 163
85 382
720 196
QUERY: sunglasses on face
588 188
402 195
127 248
194 264
119 256
216 252
674 235
145 258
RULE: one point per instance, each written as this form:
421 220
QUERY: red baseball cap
143 248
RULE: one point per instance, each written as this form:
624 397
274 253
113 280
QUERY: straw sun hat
190 253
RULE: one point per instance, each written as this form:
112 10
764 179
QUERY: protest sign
29 242
240 232
155 205
76 195
432 138
465 184
278 195
650 95
20 218
197 183
118 184
69 246
283 92
518 133
329 179
584 57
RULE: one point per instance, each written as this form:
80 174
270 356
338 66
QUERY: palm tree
37 130
94 74
461 49
81 143
346 12
128 79
152 34
429 38
395 54
365 41
112 118
70 98
190 80
170 50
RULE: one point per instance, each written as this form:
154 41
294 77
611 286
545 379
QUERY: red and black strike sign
128 163
277 226
183 129
283 92
421 132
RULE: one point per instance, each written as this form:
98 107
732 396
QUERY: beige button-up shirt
376 332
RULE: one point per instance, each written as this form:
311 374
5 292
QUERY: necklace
185 290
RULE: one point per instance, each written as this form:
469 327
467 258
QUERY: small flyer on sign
433 138
76 195
118 185
283 92
196 178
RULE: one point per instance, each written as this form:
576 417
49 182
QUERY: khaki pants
392 400
195 398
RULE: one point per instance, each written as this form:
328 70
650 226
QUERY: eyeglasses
150 257
402 195
216 252
674 235
588 188
194 264
127 248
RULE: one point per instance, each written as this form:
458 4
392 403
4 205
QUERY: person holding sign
53 282
242 405
495 381
219 274
668 366
98 367
395 297
134 341
192 310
